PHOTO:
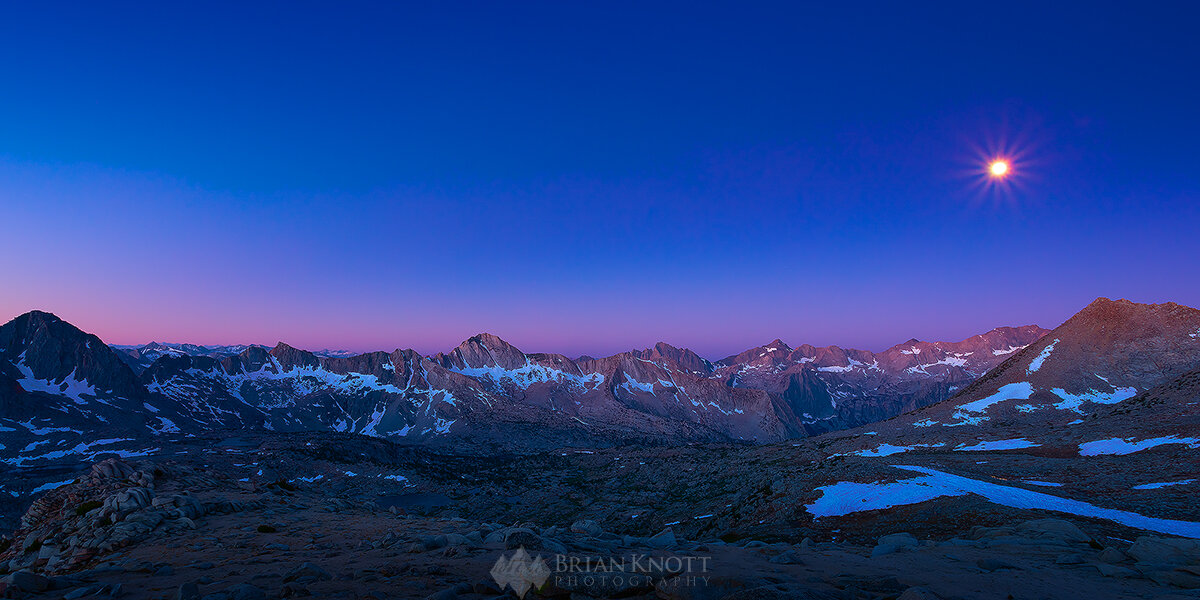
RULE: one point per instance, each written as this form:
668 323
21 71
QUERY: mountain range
928 470
62 390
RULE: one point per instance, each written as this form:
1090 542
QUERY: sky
593 177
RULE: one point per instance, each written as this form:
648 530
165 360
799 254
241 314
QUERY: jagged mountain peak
487 339
680 358
1109 351
290 357
49 354
21 328
773 350
482 350
40 316
1123 313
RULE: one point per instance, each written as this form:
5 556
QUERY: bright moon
999 168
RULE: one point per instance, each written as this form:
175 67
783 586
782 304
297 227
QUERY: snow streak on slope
848 497
1013 444
1129 446
1037 361
531 373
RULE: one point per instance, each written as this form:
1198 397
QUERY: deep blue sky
590 178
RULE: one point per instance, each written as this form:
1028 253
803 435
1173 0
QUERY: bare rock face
289 358
1109 352
483 350
681 359
1117 379
41 347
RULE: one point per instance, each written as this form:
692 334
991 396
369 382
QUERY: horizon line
482 333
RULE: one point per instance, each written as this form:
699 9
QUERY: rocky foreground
314 515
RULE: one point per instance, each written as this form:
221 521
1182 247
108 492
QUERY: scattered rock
1152 550
787 557
995 564
1070 558
894 543
918 593
1112 555
1187 578
587 527
523 538
307 573
1119 572
1053 530
28 581
293 590
87 590
245 591
188 591
663 539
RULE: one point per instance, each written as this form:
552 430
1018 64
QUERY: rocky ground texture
341 516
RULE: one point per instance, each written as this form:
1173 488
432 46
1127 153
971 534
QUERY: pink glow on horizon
433 333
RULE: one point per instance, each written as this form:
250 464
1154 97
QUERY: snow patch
1163 484
1012 444
531 373
70 386
45 487
848 497
1072 402
1037 361
631 384
1013 391
1120 446
889 449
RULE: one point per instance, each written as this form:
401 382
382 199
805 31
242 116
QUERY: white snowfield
1013 391
526 376
975 412
1037 361
1072 402
70 386
1129 446
889 449
85 451
1012 444
849 497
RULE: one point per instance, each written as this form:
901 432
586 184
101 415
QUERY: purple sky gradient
579 180
200 271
